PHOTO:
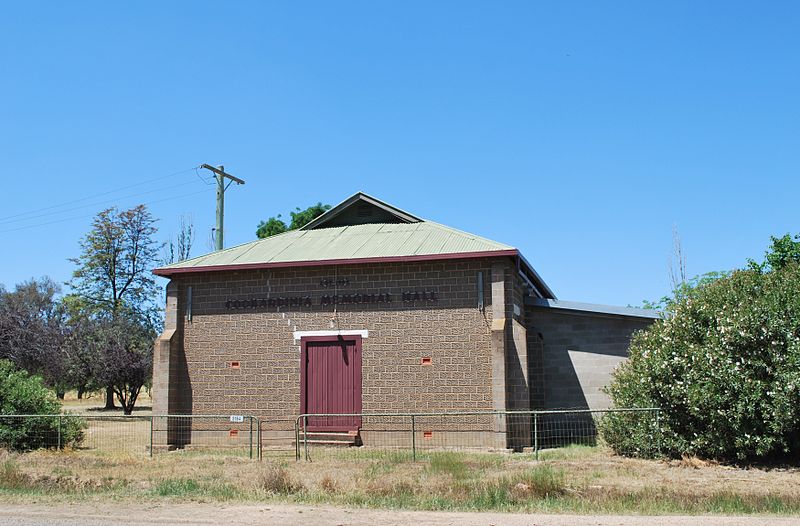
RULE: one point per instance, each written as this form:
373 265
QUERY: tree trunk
80 392
110 399
60 395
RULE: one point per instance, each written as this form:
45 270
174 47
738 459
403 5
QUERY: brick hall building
370 308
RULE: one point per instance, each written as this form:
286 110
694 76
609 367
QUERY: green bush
23 394
725 369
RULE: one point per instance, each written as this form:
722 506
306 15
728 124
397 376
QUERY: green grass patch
176 487
500 497
188 488
571 452
540 482
451 464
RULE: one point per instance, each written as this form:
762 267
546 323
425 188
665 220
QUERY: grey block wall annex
576 352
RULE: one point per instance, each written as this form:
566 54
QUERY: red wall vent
234 365
426 360
427 435
233 433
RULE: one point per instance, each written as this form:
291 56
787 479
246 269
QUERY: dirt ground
91 514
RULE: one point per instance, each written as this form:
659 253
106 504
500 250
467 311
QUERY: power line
92 196
84 216
98 203
209 181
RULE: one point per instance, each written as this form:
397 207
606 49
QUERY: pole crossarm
222 173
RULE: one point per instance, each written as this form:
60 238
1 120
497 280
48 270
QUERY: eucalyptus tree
113 276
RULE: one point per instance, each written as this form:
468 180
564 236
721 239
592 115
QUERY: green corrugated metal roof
360 228
349 242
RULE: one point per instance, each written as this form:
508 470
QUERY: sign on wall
410 296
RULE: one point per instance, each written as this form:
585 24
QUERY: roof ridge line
345 205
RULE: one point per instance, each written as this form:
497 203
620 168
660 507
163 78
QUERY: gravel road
92 514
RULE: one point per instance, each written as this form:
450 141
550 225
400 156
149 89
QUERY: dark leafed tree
300 218
118 351
113 270
78 356
33 326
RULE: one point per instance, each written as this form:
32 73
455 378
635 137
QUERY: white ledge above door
304 334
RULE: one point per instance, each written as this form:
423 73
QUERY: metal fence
318 435
227 434
405 435
132 435
277 439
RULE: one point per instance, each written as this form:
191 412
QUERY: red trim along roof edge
166 272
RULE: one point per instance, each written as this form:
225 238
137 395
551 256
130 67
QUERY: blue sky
579 132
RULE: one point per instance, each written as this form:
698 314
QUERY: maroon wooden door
331 381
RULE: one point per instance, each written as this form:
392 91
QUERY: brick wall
574 353
517 369
452 331
497 358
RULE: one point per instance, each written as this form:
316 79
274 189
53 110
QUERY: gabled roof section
361 209
347 234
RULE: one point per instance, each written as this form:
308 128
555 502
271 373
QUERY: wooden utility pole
221 175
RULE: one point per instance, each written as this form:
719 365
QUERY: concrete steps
330 438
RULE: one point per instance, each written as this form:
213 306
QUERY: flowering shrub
724 367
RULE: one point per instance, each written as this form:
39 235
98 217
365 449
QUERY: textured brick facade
230 346
228 327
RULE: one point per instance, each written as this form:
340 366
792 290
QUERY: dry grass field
569 480
92 404
113 465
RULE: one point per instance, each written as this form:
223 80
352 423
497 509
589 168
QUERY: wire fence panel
234 435
116 434
83 433
461 431
571 427
566 428
131 435
319 435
